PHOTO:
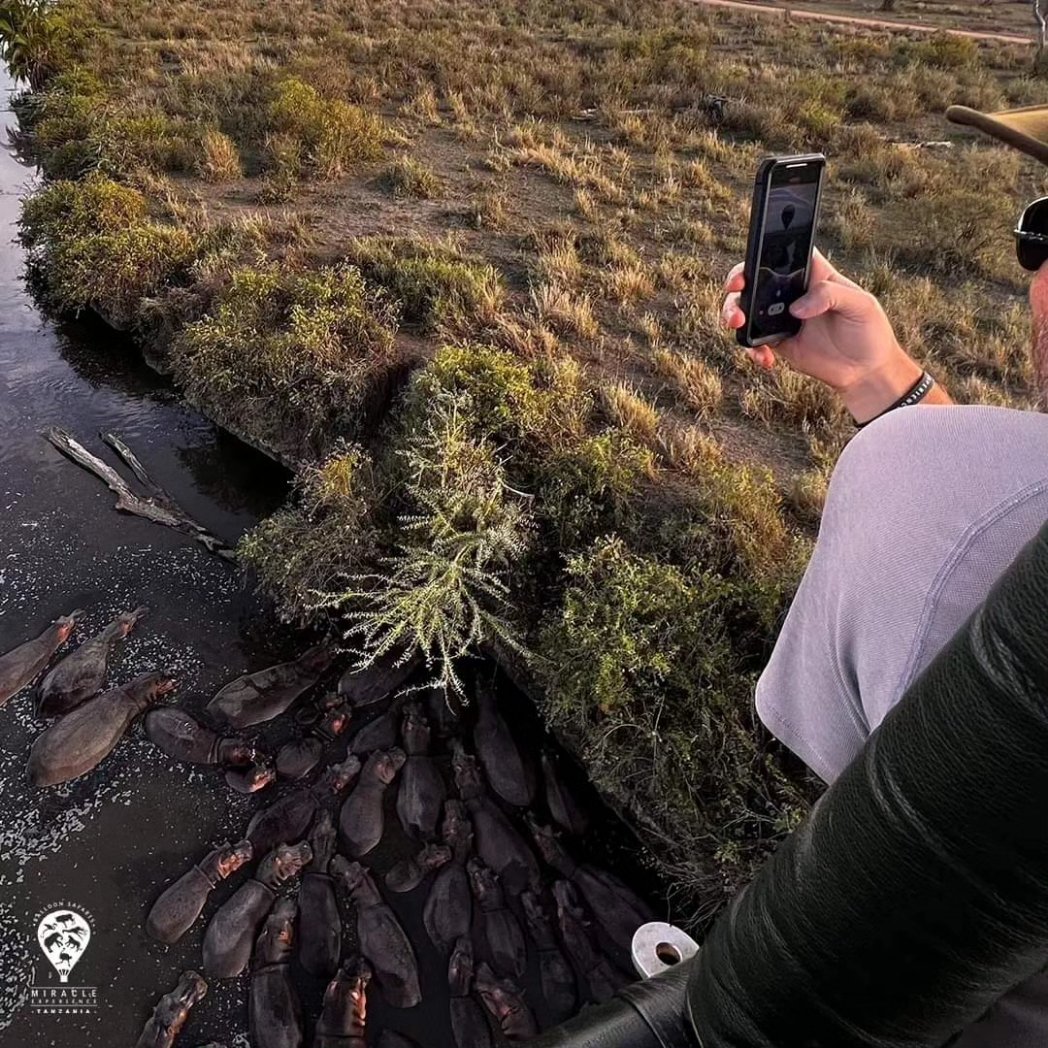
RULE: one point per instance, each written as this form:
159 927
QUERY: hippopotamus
555 973
499 929
22 665
289 818
319 923
365 685
422 791
250 780
171 1012
83 738
229 936
265 694
504 1000
362 820
448 913
343 1019
295 760
182 901
409 873
510 775
602 976
562 803
377 734
498 843
185 739
274 1011
382 939
467 1017
444 709
619 912
81 674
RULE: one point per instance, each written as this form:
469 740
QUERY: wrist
877 390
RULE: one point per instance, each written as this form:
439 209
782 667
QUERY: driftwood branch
160 509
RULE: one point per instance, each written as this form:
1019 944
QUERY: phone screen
784 252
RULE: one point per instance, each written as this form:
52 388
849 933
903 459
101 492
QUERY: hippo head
502 996
258 777
567 900
322 839
338 777
190 989
67 623
236 752
359 972
234 856
456 828
483 881
533 909
352 874
386 763
335 721
415 729
549 846
148 688
126 620
282 920
284 862
460 967
277 937
433 856
467 773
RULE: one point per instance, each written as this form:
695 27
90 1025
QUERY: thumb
829 296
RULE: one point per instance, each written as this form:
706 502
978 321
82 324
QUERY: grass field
459 263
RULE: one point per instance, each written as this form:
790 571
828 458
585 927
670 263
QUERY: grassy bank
460 264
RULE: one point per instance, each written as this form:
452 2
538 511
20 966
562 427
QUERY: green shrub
408 177
34 39
640 676
219 159
93 246
296 358
435 283
333 135
313 544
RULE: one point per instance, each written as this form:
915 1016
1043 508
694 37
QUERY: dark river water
106 844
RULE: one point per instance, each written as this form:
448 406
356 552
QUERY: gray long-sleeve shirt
926 508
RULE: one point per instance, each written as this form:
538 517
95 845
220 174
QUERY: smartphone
786 197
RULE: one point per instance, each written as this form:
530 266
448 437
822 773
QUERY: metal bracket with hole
657 946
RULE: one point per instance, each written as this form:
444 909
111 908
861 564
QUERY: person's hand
846 340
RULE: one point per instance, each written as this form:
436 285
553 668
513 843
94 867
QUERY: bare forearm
876 392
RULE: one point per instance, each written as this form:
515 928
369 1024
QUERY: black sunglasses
1031 236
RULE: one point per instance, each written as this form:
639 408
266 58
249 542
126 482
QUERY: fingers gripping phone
786 197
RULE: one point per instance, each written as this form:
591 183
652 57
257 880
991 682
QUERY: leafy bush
219 159
313 544
435 283
332 135
92 245
296 358
408 177
34 40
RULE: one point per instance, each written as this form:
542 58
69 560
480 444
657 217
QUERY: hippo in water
603 978
467 1017
555 973
229 936
448 913
382 939
362 820
81 674
364 685
498 843
422 791
182 902
619 912
510 775
319 923
504 1000
274 1011
171 1012
499 929
82 739
289 818
295 760
185 739
409 873
265 694
250 780
377 734
563 805
22 665
343 1020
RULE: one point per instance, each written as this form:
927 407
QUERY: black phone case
761 186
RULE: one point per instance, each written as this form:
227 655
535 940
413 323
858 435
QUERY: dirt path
869 23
